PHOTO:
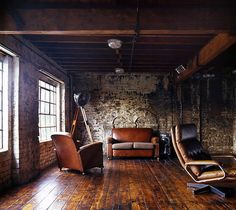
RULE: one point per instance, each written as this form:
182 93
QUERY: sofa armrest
155 140
110 140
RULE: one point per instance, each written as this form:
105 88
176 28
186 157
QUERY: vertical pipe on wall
200 110
173 98
180 99
71 101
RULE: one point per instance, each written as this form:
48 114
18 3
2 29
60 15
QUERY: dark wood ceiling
74 33
151 54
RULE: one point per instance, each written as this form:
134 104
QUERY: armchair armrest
94 148
91 155
95 145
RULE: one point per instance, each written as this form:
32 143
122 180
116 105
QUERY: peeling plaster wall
210 103
127 100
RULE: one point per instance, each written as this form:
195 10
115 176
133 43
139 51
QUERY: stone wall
211 104
127 100
23 160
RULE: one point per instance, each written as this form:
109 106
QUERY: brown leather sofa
208 171
132 142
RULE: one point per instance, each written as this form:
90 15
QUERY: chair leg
101 170
202 188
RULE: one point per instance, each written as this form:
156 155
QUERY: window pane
0 100
52 123
47 95
52 97
1 121
46 110
52 109
42 95
42 105
0 80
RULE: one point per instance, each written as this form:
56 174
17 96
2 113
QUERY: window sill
44 141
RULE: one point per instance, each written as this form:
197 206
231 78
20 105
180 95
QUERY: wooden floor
125 184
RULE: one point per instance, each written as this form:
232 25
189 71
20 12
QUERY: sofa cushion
125 145
143 145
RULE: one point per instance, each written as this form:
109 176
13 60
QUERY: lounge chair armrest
224 155
201 162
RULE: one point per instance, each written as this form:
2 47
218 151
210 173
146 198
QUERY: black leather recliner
203 168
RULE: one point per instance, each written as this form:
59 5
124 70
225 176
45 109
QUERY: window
49 108
3 103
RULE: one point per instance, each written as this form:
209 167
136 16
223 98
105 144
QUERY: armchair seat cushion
125 145
143 145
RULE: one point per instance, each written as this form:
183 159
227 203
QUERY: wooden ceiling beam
114 32
143 70
104 22
210 51
71 40
99 39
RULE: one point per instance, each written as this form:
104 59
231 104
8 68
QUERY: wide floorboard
124 184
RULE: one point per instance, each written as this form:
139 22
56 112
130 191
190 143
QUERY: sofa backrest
132 134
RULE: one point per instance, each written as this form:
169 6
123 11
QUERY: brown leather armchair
88 156
206 170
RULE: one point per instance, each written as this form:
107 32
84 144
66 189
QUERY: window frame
52 81
4 112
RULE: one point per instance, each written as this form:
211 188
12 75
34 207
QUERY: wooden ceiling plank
211 50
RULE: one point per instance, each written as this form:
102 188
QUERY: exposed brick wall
128 100
24 159
211 104
5 170
47 154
